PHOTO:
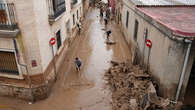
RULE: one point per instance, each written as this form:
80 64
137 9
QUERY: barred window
8 64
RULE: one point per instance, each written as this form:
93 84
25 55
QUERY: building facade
76 13
171 56
26 27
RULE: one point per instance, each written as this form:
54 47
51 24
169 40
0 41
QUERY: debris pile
133 89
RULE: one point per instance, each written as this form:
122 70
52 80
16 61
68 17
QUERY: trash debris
133 89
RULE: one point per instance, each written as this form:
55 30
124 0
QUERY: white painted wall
32 16
27 23
74 11
46 31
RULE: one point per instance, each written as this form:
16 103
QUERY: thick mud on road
86 91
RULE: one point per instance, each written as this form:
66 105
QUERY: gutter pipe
184 69
28 75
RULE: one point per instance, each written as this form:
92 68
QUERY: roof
164 2
179 19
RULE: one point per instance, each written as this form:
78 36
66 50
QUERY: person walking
79 27
101 12
105 21
108 13
78 64
108 32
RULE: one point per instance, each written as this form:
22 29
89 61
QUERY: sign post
52 42
149 45
145 34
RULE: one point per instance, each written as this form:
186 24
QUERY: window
58 5
135 30
73 18
3 15
77 14
127 19
8 64
73 2
2 1
58 37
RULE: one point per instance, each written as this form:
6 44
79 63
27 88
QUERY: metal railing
8 64
7 16
56 8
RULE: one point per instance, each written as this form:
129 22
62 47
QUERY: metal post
148 58
143 52
28 75
144 44
29 81
143 55
54 64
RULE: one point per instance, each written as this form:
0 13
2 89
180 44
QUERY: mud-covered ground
88 91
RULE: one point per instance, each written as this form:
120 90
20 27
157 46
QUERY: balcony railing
7 16
56 8
73 2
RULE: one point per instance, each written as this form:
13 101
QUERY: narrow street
88 91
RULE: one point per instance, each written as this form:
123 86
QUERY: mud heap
101 4
133 89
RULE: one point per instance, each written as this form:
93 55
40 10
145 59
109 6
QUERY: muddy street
86 91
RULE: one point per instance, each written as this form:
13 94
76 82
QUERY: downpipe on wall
28 75
183 70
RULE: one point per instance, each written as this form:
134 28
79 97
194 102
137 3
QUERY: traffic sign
149 43
52 41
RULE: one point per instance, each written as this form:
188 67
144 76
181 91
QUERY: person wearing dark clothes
108 13
108 34
78 64
101 12
79 27
105 21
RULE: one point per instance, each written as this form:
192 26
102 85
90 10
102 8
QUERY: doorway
59 42
189 98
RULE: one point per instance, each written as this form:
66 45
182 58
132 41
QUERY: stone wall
34 94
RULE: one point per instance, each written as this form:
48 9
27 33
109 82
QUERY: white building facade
26 28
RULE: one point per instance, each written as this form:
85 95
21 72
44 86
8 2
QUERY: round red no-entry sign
52 41
148 43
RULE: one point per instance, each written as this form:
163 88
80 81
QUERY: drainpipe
28 75
184 69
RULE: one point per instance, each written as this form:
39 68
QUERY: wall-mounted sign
149 43
52 41
34 63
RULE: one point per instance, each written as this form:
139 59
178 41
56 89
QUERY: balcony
56 8
73 2
8 23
